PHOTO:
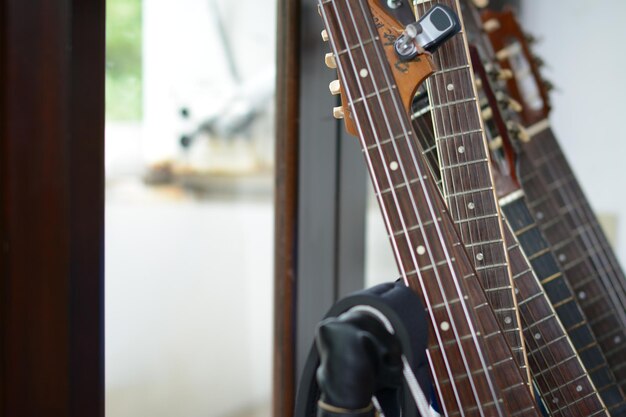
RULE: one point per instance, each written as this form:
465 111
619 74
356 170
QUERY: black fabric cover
406 313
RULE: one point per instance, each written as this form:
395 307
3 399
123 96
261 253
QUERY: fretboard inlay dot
480 256
461 149
450 87
508 320
582 295
471 206
421 250
617 340
363 73
537 336
579 388
394 166
562 257
539 215
445 326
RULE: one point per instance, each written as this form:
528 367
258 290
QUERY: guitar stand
369 357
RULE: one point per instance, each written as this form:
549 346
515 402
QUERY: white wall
583 45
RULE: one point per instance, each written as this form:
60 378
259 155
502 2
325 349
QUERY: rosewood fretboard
460 157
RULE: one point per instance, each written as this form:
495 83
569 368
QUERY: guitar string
539 331
437 88
379 195
431 210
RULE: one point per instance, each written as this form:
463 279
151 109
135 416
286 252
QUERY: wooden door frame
52 62
320 197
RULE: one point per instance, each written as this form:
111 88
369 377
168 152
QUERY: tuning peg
487 113
338 112
329 59
491 25
539 61
325 35
335 87
478 83
503 54
505 74
519 132
514 105
481 4
509 102
495 143
549 86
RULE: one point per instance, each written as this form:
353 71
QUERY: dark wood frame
52 63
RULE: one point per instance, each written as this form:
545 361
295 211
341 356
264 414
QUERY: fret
354 47
471 192
460 134
465 164
485 243
373 95
452 69
453 103
376 145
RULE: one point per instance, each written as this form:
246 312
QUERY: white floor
189 304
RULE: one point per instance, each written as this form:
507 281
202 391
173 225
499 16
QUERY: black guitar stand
369 358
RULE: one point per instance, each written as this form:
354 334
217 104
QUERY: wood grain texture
52 199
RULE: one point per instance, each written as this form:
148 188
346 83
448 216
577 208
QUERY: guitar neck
548 344
456 150
587 261
471 363
562 297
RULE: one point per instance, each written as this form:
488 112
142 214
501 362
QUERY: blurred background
189 220
189 211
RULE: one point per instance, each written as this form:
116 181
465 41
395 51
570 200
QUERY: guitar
557 200
562 302
544 333
473 368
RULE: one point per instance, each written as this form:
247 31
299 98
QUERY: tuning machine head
427 34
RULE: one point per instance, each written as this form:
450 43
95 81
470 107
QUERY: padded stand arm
358 357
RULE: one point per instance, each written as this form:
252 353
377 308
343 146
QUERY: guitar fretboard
459 155
562 298
581 248
564 384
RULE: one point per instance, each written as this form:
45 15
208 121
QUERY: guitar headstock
499 112
513 51
357 29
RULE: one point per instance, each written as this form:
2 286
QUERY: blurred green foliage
124 61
